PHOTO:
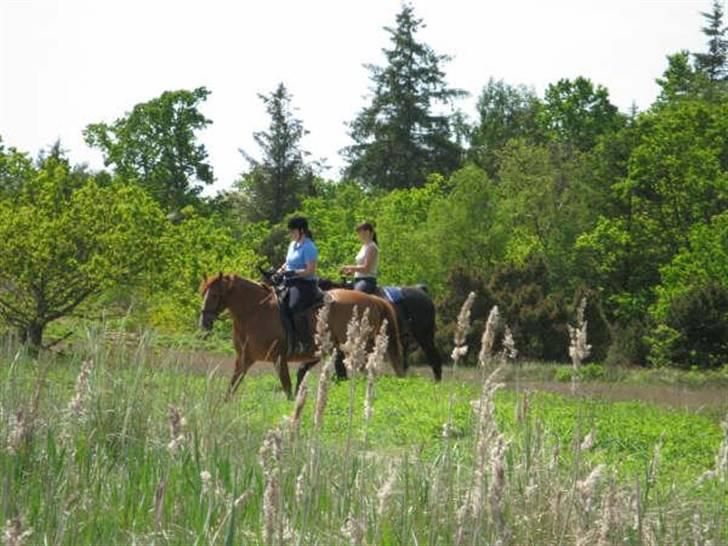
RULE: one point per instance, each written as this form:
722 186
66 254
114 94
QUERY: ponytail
308 233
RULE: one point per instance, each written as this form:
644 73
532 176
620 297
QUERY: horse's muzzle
207 320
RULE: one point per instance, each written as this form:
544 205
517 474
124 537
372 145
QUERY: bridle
213 313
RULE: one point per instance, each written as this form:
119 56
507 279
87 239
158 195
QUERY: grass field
137 449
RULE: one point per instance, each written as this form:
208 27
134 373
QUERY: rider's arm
366 266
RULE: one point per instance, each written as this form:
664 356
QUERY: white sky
67 63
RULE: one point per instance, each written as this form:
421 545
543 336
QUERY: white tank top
373 264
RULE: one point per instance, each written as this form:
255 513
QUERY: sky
67 63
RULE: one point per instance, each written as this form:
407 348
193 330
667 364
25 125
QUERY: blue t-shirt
301 253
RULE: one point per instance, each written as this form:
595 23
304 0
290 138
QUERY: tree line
538 202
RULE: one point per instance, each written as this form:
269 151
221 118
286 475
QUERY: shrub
695 329
536 315
627 346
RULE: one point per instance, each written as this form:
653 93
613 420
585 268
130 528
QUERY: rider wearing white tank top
367 260
372 249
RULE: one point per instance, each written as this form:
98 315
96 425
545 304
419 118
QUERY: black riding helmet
298 222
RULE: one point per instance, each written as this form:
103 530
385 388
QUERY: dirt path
675 396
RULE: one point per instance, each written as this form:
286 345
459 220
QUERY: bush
536 315
627 346
695 329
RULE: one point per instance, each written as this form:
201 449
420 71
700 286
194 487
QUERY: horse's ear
220 275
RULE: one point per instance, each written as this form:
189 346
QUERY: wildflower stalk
374 362
14 534
357 335
270 459
579 349
295 420
488 339
461 331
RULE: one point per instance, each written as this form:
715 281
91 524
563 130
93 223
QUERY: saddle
280 288
393 294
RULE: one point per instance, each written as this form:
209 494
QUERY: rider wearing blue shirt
300 272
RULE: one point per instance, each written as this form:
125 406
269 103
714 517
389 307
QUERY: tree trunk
34 338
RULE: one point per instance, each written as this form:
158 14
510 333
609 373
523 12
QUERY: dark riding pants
301 295
366 284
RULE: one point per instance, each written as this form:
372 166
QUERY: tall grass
117 444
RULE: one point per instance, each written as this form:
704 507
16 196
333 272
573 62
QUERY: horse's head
214 292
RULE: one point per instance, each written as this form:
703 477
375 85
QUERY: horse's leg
405 352
426 340
339 366
302 371
285 377
242 365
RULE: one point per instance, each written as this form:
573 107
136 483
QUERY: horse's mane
232 278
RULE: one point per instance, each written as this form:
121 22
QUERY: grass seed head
14 534
357 336
588 441
462 329
385 492
488 340
270 458
322 391
497 488
176 429
509 345
579 349
587 487
295 422
323 332
77 405
18 431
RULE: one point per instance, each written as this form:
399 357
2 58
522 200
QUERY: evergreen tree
399 139
714 62
680 79
276 184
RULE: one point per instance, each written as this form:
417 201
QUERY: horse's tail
395 352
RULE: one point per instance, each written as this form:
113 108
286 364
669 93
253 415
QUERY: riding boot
303 332
290 333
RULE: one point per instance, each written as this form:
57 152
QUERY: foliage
189 251
714 62
680 79
505 112
703 261
400 138
694 331
15 168
578 113
156 144
66 239
275 185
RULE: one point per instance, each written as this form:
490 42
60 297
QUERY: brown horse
259 335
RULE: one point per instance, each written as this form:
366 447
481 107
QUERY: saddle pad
392 293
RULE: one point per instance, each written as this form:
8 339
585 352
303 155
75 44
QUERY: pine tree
714 62
400 138
275 184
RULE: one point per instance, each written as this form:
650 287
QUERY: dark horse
259 335
416 317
